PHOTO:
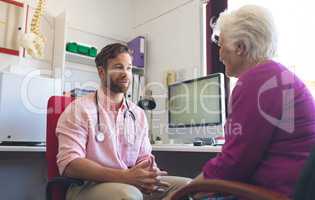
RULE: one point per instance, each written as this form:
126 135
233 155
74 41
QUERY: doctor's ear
101 71
240 48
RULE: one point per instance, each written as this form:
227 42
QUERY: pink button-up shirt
125 143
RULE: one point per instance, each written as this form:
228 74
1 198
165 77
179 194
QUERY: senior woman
270 129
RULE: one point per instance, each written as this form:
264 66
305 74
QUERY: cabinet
75 70
23 172
79 71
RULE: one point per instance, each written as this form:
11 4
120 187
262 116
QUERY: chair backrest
306 184
56 105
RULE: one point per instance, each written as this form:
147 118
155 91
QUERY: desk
23 172
183 159
23 148
186 148
24 167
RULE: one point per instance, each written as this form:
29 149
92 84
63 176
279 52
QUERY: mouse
198 143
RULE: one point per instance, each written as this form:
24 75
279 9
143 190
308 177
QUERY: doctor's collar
105 102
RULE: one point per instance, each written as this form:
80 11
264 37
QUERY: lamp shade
147 103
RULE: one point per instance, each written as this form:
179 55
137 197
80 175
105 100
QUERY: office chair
57 186
304 189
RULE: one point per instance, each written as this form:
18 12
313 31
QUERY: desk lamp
148 103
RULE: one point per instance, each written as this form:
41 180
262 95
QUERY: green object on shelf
72 47
93 52
81 49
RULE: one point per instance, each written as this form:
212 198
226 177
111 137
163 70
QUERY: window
296 31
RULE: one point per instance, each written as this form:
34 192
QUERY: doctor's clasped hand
145 177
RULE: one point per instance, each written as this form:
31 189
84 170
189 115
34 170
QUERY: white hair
253 26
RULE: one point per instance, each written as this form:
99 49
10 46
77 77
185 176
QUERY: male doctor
103 139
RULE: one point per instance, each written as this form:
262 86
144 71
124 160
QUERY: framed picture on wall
11 23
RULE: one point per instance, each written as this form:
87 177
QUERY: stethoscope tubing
131 114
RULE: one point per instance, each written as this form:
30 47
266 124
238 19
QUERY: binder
135 88
137 46
141 88
129 91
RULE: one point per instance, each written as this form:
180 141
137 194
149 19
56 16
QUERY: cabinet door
59 46
11 22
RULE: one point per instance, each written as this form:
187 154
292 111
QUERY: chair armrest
237 189
62 180
62 183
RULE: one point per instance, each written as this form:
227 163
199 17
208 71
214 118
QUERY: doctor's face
118 74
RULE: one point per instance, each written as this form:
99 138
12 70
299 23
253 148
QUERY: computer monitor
23 107
196 108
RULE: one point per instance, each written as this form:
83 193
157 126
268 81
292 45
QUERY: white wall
172 29
173 32
108 20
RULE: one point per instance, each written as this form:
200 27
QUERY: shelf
138 70
23 148
78 58
86 60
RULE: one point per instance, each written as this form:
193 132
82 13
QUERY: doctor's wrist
113 175
125 177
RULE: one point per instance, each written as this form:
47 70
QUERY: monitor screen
23 106
197 102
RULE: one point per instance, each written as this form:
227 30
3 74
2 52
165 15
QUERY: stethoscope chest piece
100 137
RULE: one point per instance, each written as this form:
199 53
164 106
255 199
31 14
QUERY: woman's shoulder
265 70
269 72
261 77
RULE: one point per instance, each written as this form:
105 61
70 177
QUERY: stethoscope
100 136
